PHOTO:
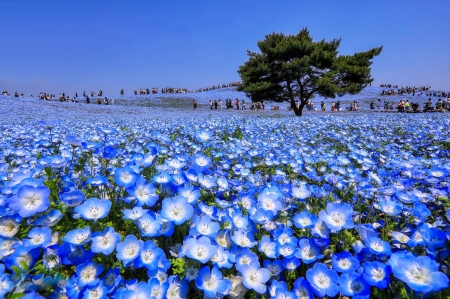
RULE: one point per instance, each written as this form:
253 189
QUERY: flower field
256 207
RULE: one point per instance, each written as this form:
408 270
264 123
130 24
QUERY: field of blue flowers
109 204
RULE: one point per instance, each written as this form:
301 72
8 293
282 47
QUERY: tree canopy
294 67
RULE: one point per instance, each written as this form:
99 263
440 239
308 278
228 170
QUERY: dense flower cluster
273 207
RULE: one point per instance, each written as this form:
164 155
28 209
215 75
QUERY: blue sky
60 45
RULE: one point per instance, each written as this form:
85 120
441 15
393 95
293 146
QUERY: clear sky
61 45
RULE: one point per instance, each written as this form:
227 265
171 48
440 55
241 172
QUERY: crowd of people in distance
173 90
229 104
213 87
142 91
405 106
411 90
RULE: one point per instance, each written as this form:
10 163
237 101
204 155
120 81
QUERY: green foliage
178 267
292 67
238 134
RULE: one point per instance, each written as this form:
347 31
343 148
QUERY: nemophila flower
78 236
202 162
420 211
284 235
88 273
148 226
244 239
74 140
309 251
390 207
205 226
433 237
109 153
125 176
210 281
378 246
344 262
301 192
291 263
269 202
177 289
223 258
176 209
245 257
57 161
149 256
94 209
129 249
304 220
353 284
30 200
97 181
167 227
302 289
377 274
223 238
323 280
162 178
22 255
337 216
190 193
72 198
134 214
95 291
38 237
275 267
206 181
279 290
367 230
105 242
201 249
321 229
157 289
144 192
255 277
6 285
204 135
261 216
8 227
420 273
268 247
238 220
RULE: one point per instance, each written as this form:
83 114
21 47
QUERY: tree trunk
298 111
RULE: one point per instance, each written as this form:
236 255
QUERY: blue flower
201 249
244 239
304 220
176 209
129 249
390 207
205 226
210 281
72 198
125 176
109 153
94 209
344 262
377 274
254 277
78 236
309 251
30 200
88 273
268 247
420 273
337 216
323 280
144 192
378 246
148 226
105 242
149 256
50 219
38 237
302 289
353 284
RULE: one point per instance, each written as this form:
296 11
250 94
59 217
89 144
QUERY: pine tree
294 67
